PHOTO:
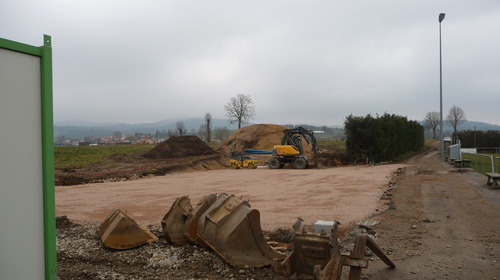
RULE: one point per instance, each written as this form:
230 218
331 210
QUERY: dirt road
446 225
346 194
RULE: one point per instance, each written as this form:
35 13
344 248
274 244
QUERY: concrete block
326 226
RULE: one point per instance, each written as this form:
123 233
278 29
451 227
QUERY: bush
482 139
382 138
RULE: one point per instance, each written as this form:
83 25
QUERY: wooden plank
358 253
378 251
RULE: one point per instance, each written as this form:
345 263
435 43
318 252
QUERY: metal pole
441 142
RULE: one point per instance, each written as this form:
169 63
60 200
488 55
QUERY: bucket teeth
119 231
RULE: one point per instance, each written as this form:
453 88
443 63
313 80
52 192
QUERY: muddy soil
133 167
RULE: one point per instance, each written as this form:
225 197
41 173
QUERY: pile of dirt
258 137
179 147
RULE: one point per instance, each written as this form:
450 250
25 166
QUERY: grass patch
66 157
482 164
332 145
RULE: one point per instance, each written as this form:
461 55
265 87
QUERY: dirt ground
436 221
133 167
445 225
346 194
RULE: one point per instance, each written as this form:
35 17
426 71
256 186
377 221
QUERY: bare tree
432 121
455 117
208 124
240 109
181 128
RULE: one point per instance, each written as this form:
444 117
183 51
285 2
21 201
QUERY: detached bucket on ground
119 231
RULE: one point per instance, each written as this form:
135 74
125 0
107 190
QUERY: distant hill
78 129
469 125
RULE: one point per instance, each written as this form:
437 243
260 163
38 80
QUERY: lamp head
441 17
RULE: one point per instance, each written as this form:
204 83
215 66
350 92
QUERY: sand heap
258 137
179 147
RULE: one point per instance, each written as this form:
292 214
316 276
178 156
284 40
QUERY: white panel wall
21 185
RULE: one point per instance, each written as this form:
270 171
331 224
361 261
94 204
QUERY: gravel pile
81 255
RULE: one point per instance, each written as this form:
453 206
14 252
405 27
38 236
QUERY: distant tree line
219 133
382 138
455 117
479 139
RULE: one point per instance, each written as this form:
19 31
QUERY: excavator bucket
119 231
191 225
173 222
233 230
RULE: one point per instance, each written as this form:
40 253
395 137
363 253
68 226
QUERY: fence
483 163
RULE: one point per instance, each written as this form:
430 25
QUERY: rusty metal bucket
173 222
233 230
119 231
191 225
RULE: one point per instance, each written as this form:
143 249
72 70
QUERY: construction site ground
435 221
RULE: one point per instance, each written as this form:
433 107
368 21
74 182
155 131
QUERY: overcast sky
311 62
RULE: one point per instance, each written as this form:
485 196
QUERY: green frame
49 211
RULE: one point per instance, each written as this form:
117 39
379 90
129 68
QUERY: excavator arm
293 137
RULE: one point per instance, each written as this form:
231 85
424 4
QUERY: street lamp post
441 142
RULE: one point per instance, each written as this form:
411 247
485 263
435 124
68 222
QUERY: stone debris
80 255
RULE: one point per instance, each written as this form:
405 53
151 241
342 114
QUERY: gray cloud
302 62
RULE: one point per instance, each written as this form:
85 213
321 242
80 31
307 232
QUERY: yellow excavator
291 150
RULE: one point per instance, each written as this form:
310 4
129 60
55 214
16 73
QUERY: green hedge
471 139
382 138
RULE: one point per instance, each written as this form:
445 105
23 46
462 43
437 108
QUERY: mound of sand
179 147
258 137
